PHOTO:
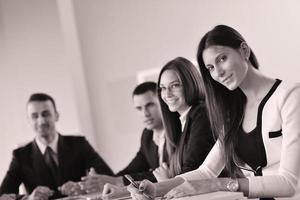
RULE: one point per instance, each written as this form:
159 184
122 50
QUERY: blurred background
90 54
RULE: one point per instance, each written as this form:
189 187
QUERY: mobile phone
130 179
136 185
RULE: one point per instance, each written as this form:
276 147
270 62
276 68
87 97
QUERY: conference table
221 195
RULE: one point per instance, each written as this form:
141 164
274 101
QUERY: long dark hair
193 93
225 108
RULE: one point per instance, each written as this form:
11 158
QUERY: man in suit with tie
51 160
152 151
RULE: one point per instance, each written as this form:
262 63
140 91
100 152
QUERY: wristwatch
232 185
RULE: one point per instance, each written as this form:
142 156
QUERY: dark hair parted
145 87
225 108
193 93
223 35
42 97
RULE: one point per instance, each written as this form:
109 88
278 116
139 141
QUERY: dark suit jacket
75 157
197 138
145 161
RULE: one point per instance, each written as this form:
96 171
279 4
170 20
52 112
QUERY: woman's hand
94 182
194 187
162 172
146 191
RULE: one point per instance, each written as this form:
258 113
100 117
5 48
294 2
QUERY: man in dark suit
51 160
152 151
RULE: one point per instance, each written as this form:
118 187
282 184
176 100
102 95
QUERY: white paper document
220 195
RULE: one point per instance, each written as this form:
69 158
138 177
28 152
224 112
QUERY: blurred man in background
52 164
152 151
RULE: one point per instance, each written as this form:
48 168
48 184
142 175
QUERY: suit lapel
185 135
186 125
165 153
152 152
154 155
63 153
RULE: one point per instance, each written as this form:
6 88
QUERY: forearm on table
165 186
244 186
221 185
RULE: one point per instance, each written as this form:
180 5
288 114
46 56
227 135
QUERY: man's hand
41 193
94 182
8 197
112 191
71 188
162 172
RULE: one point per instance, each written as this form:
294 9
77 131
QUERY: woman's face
172 91
226 65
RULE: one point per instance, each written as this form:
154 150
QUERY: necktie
51 164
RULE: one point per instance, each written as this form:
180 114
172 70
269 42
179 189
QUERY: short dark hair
145 87
41 97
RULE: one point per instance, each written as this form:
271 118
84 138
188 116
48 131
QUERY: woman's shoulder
199 106
287 91
286 84
198 110
287 87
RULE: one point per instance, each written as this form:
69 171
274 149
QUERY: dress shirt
52 145
182 117
159 140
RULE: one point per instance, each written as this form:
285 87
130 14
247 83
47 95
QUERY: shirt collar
183 117
52 145
158 137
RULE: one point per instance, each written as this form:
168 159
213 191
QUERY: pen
136 185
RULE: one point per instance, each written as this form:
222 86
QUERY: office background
87 54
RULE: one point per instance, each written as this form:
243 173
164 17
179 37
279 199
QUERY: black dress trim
259 139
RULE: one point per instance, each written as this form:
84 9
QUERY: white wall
117 38
32 59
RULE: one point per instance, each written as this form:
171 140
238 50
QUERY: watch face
233 185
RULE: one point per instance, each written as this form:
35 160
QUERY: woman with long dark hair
188 132
256 120
189 137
